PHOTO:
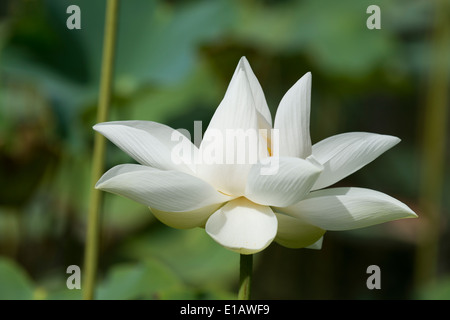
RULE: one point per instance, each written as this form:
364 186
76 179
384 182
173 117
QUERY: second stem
245 280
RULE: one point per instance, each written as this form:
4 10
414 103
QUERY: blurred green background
174 61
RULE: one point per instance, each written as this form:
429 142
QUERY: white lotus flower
239 207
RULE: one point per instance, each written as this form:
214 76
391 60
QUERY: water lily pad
15 283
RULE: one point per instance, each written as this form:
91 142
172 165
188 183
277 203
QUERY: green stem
106 83
245 281
433 150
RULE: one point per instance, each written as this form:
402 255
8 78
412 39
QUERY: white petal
296 233
280 181
348 208
187 219
243 226
264 116
162 190
343 154
150 143
292 120
316 245
231 142
237 109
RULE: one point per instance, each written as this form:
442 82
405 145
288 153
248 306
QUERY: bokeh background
174 61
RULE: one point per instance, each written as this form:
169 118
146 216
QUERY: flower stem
433 151
246 267
106 81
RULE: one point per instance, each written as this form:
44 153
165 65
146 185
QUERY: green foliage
15 284
137 281
195 257
439 290
151 279
174 61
